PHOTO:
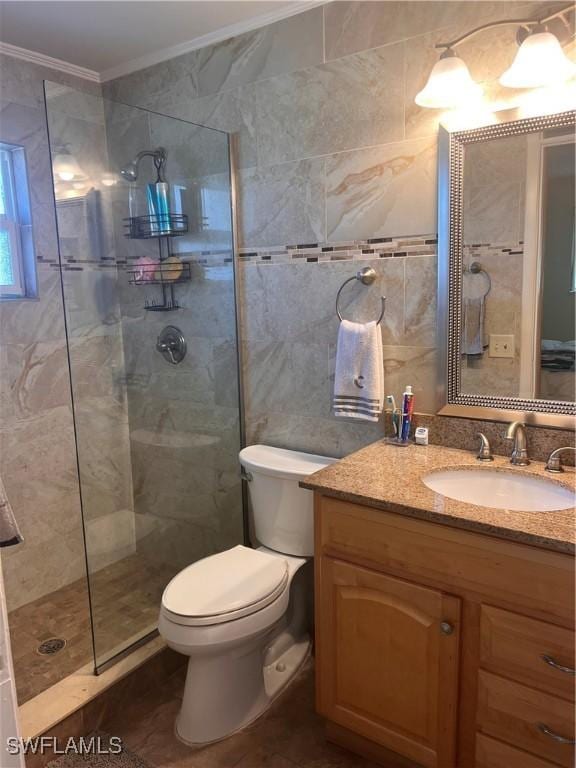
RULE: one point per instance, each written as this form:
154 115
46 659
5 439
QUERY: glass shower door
146 255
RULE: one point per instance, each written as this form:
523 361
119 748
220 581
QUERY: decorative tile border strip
478 250
215 258
352 250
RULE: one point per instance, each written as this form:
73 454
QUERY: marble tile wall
332 152
92 308
37 450
183 420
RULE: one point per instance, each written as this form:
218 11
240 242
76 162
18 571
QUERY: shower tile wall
37 451
332 150
183 420
90 279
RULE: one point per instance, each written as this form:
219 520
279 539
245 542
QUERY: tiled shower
156 444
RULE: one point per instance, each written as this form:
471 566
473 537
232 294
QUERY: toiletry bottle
407 410
159 201
163 206
136 208
159 207
152 208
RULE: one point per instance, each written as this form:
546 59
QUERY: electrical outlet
501 345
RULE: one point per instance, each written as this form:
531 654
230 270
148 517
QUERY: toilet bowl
242 616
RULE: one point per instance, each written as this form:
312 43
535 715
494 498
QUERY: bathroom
168 373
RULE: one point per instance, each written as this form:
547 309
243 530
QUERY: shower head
130 171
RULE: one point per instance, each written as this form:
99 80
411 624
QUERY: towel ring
477 269
366 276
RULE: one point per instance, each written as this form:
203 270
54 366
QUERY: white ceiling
114 36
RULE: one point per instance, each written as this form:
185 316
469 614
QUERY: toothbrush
394 411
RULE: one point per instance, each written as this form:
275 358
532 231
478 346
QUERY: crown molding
165 54
218 36
48 61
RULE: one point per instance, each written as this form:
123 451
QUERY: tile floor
125 602
289 735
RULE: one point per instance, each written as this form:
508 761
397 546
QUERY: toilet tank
282 512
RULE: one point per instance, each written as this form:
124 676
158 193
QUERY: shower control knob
171 344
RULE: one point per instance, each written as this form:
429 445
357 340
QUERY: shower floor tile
125 603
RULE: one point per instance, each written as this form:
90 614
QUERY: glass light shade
540 61
65 167
449 85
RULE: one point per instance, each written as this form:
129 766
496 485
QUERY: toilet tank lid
280 462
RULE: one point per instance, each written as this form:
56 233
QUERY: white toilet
242 615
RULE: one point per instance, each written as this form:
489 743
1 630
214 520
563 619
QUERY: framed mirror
507 271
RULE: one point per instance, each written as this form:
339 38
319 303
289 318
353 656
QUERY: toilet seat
225 587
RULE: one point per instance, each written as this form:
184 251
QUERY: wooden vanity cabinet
440 647
389 672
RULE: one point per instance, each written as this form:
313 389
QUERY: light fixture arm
515 22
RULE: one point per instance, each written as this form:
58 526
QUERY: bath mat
125 759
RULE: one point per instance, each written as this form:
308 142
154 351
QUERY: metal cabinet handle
555 736
560 667
446 628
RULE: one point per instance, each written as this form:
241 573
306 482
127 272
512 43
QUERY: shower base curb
60 701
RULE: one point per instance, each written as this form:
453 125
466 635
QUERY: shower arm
159 156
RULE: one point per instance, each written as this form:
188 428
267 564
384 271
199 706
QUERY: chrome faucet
554 464
517 432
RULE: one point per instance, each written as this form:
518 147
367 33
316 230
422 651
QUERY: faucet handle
554 464
484 451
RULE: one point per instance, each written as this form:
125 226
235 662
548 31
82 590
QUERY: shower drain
53 645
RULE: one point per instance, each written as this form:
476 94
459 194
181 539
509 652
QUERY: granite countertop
390 477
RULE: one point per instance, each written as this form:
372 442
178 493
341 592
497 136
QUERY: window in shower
17 263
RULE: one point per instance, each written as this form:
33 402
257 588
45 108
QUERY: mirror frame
450 400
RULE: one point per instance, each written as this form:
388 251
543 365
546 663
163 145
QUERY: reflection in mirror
557 273
518 285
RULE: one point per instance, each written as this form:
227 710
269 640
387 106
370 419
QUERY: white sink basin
500 490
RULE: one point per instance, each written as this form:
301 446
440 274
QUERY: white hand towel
473 341
359 380
9 531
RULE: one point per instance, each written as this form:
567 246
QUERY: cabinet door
387 660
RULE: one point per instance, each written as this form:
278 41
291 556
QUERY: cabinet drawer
515 714
495 754
527 577
533 652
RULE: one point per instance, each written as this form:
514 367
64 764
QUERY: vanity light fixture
540 61
449 85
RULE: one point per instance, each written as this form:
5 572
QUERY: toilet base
224 696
